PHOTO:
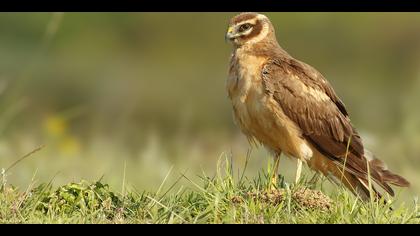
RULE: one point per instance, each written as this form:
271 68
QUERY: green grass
223 198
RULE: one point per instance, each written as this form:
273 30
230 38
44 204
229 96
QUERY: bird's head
249 28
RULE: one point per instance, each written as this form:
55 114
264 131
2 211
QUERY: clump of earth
304 197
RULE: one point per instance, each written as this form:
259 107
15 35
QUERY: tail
377 173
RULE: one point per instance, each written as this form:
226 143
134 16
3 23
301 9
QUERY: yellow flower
55 125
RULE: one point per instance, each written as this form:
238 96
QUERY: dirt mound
304 197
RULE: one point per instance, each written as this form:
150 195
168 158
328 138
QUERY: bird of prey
289 107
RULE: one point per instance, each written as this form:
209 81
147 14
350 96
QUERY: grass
223 198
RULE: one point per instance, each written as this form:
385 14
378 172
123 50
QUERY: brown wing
309 100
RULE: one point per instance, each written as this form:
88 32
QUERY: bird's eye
244 27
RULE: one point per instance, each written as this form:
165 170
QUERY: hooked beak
229 34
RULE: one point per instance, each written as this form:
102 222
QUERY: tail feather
386 175
362 185
358 181
381 176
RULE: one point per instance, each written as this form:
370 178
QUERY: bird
288 107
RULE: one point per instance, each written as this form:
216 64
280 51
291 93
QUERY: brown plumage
290 108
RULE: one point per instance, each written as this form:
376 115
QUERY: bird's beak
229 34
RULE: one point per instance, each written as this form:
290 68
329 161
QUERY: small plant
73 197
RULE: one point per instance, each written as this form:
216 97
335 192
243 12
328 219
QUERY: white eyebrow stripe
251 21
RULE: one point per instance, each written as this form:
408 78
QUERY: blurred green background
147 91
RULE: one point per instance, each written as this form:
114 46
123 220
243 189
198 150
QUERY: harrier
290 108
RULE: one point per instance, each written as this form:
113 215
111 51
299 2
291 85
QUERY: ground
219 199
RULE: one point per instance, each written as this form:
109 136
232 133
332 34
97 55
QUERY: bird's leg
274 176
298 170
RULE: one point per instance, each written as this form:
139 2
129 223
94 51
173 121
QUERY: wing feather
309 100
